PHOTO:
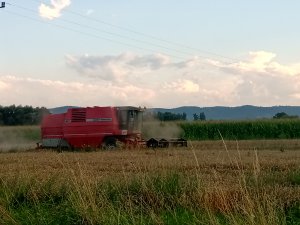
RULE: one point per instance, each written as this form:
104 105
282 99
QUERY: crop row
242 130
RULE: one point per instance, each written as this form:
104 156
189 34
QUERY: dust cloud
14 139
158 129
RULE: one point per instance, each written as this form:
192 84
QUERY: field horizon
242 112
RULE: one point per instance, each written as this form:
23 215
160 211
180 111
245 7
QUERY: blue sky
150 53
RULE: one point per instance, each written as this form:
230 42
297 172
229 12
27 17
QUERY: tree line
283 115
164 116
21 115
169 116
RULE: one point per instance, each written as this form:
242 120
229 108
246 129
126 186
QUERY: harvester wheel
152 143
63 144
110 143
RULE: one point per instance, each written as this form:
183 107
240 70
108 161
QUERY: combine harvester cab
92 127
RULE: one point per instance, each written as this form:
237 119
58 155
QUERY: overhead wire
90 35
224 58
144 34
150 36
109 33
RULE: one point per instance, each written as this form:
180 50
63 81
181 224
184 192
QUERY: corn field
242 130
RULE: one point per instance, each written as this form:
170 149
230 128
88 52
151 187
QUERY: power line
88 34
216 55
150 36
109 33
129 38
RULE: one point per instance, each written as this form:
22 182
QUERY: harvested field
209 182
119 162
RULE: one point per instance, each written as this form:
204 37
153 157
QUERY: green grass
294 178
156 199
293 214
28 202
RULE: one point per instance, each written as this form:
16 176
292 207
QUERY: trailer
94 127
166 142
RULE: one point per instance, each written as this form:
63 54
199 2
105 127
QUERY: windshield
130 120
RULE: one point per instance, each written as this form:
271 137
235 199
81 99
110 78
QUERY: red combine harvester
98 127
92 127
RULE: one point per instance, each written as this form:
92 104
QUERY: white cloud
261 62
130 79
3 86
116 68
51 93
296 95
184 86
264 81
153 62
53 10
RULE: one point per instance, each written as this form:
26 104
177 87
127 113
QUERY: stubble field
209 182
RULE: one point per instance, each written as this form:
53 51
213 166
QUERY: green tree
202 116
283 115
195 116
21 115
169 116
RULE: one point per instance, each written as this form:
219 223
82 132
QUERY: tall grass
169 199
146 187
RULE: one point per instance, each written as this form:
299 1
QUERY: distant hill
233 113
218 112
